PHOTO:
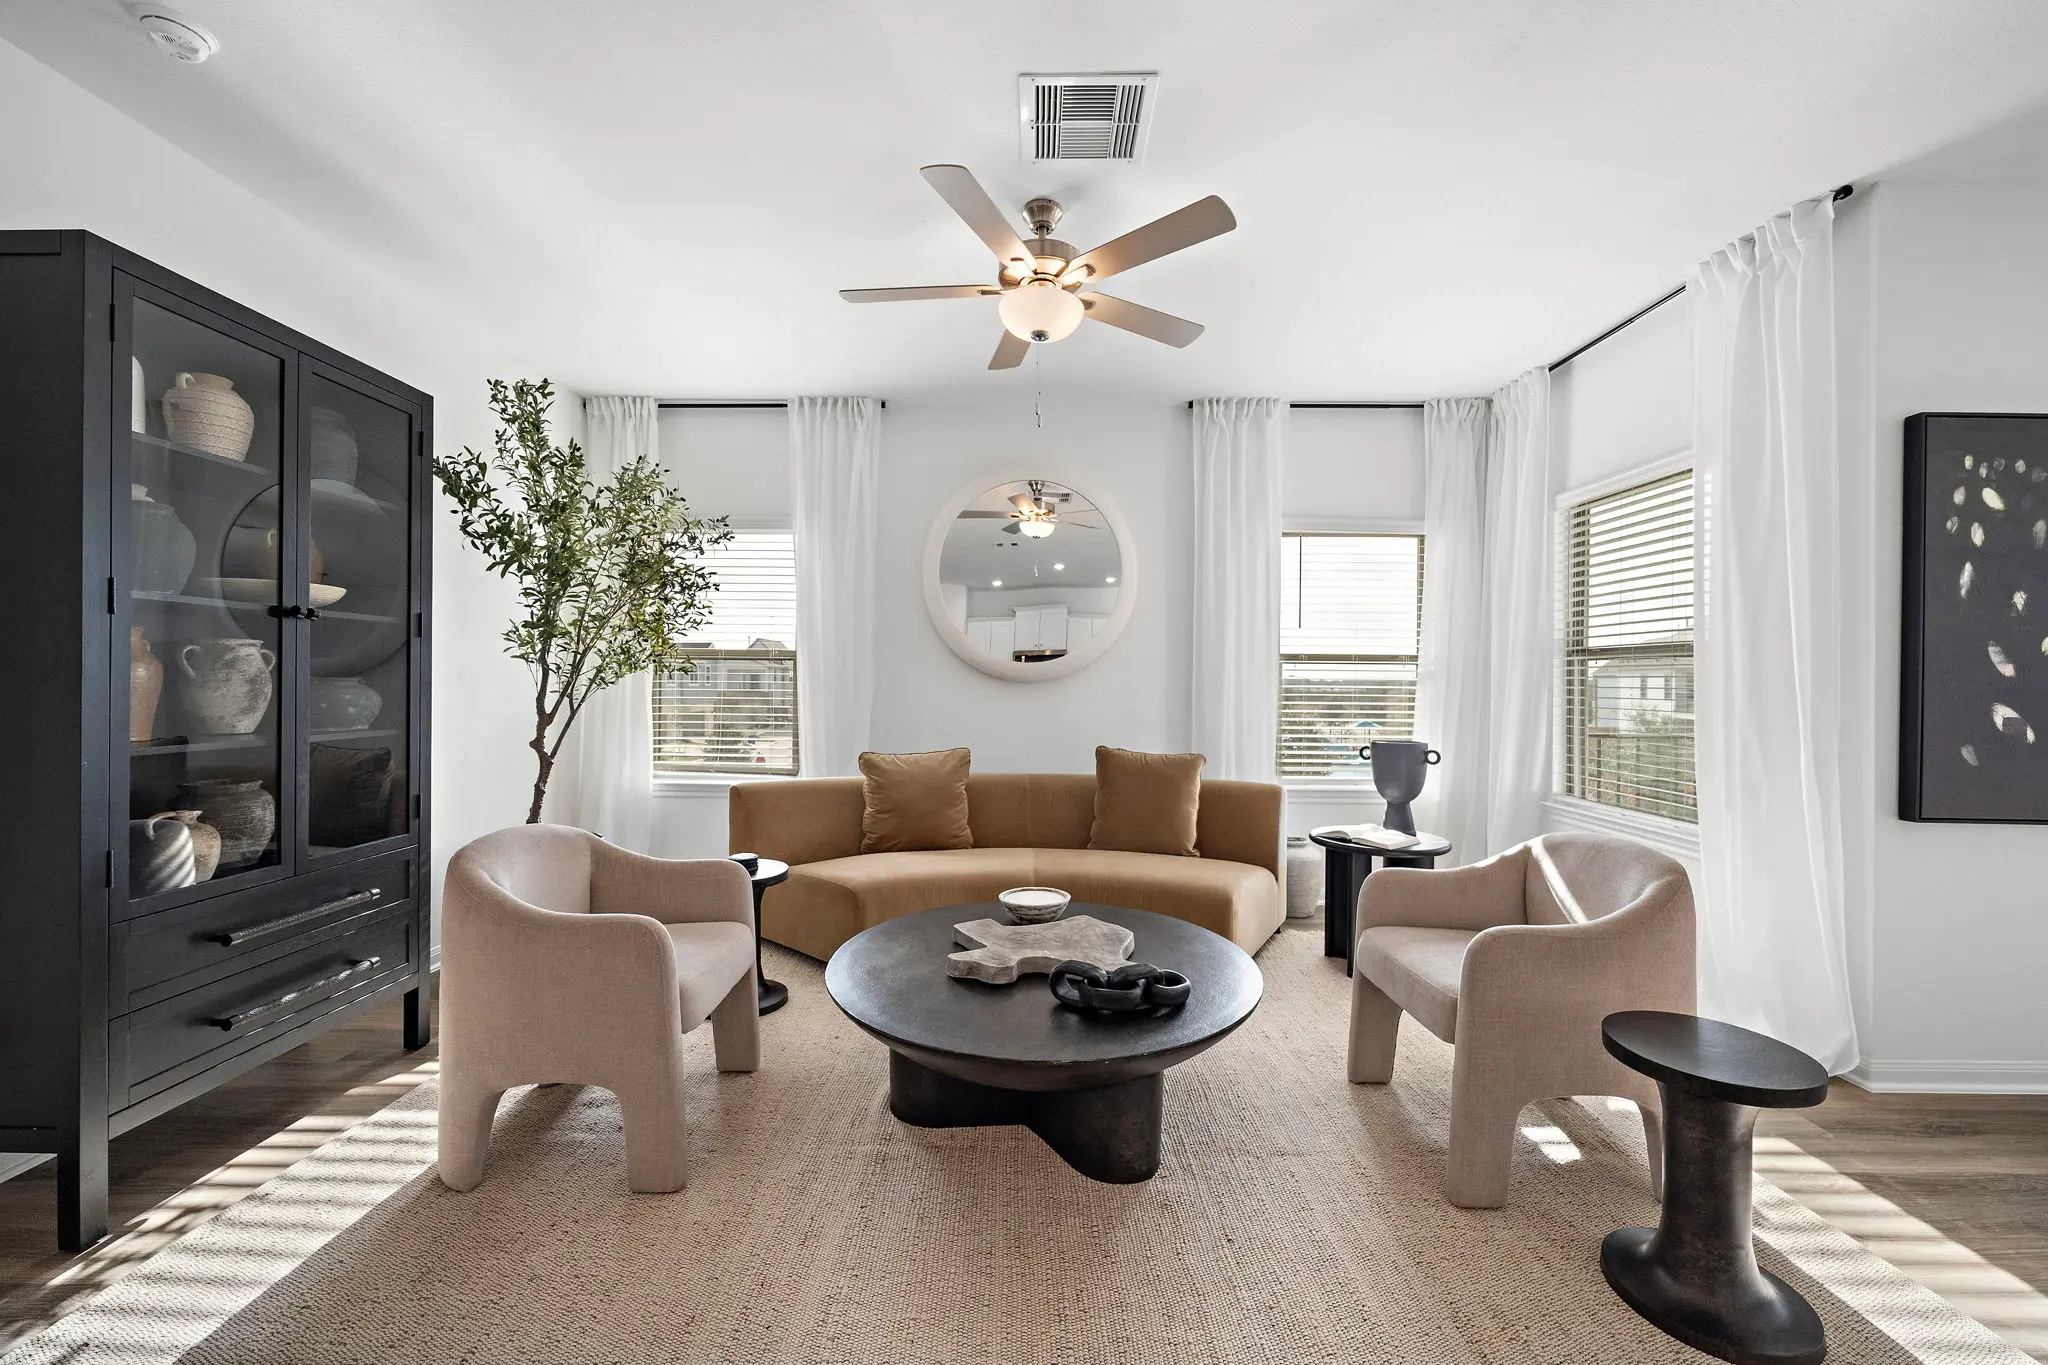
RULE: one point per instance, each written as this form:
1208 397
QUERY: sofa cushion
914 801
825 903
1420 969
1146 803
1236 900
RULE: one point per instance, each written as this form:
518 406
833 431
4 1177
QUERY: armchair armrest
1480 896
671 890
1639 957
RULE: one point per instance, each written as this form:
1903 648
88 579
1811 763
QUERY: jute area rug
1297 1218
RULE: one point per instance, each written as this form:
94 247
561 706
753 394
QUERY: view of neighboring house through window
1350 622
1628 669
736 711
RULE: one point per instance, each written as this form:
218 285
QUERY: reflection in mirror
1029 571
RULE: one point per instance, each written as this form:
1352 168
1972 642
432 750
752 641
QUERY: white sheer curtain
835 447
1768 662
613 744
1236 693
1453 681
1521 611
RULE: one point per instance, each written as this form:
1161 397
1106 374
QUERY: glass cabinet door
200 550
359 723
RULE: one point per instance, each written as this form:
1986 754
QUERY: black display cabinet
215 544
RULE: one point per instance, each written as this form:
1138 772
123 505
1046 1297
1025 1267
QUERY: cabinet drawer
166 1042
165 954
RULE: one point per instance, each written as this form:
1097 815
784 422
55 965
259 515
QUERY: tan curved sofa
1030 829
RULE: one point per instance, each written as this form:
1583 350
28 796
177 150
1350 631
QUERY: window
1628 679
1350 619
735 712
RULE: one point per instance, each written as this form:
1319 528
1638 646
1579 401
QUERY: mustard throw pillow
914 801
1146 803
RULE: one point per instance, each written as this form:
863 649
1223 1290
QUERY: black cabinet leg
82 1193
419 1015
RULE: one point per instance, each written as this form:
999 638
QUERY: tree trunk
544 766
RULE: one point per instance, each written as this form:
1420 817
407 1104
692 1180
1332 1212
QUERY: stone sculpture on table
999 953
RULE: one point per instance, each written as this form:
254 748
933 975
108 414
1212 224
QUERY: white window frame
715 785
1679 838
1309 788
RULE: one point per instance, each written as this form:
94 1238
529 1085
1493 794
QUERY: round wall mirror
1029 578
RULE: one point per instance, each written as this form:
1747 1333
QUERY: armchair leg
1375 1029
653 1113
1482 1145
736 1027
465 1134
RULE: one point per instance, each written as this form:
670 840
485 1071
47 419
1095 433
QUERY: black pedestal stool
1695 1274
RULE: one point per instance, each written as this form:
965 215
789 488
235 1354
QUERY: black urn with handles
1399 768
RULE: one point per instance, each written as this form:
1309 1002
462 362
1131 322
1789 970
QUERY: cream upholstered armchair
565 958
1515 961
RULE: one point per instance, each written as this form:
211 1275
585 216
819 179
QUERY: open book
1373 836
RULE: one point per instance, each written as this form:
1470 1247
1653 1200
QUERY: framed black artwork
1973 694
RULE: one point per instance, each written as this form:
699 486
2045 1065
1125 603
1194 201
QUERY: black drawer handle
354 969
234 938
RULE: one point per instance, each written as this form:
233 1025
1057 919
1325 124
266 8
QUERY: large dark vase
1399 767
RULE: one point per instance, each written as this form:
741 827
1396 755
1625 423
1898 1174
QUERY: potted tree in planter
608 574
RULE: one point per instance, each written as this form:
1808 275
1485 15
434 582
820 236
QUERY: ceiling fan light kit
1040 284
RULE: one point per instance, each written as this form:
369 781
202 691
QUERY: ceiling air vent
1096 116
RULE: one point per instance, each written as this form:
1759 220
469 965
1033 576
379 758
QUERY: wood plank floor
1952 1189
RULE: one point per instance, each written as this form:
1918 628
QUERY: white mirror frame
1009 669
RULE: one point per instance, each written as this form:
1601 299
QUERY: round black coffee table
1695 1274
965 1054
765 873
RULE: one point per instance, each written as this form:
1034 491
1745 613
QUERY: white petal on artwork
2019 602
1962 495
2041 534
1969 573
1977 533
2030 734
1969 461
1970 754
1999 661
2006 720
1993 501
1954 522
2019 466
1998 465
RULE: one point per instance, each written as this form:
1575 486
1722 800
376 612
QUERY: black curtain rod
742 403
1841 193
1336 403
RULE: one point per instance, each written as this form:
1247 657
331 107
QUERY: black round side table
1695 1274
1345 867
765 873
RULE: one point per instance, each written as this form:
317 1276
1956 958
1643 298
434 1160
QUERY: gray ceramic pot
1399 768
164 548
226 684
159 856
340 704
242 811
334 447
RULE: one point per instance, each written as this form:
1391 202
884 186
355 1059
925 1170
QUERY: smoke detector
175 35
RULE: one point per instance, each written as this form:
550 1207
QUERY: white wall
1355 469
1958 914
1940 288
71 160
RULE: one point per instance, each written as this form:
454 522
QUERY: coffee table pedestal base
1108 1133
1695 1275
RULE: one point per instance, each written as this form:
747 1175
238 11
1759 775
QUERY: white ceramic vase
225 684
204 411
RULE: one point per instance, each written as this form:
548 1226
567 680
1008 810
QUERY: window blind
736 710
1628 667
1350 623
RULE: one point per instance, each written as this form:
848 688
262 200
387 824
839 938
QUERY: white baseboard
13 1164
1951 1078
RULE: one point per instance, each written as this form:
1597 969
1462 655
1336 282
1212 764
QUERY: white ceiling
661 197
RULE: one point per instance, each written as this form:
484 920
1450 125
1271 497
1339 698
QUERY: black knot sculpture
1132 987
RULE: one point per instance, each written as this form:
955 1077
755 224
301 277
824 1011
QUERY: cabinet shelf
328 736
255 472
180 599
200 744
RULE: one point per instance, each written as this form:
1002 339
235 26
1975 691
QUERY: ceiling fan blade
1146 322
989 516
964 194
1198 222
1023 503
922 291
1010 352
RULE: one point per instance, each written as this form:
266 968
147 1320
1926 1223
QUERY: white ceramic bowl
1035 904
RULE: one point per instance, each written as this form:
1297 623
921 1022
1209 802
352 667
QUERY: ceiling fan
1036 514
1044 284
